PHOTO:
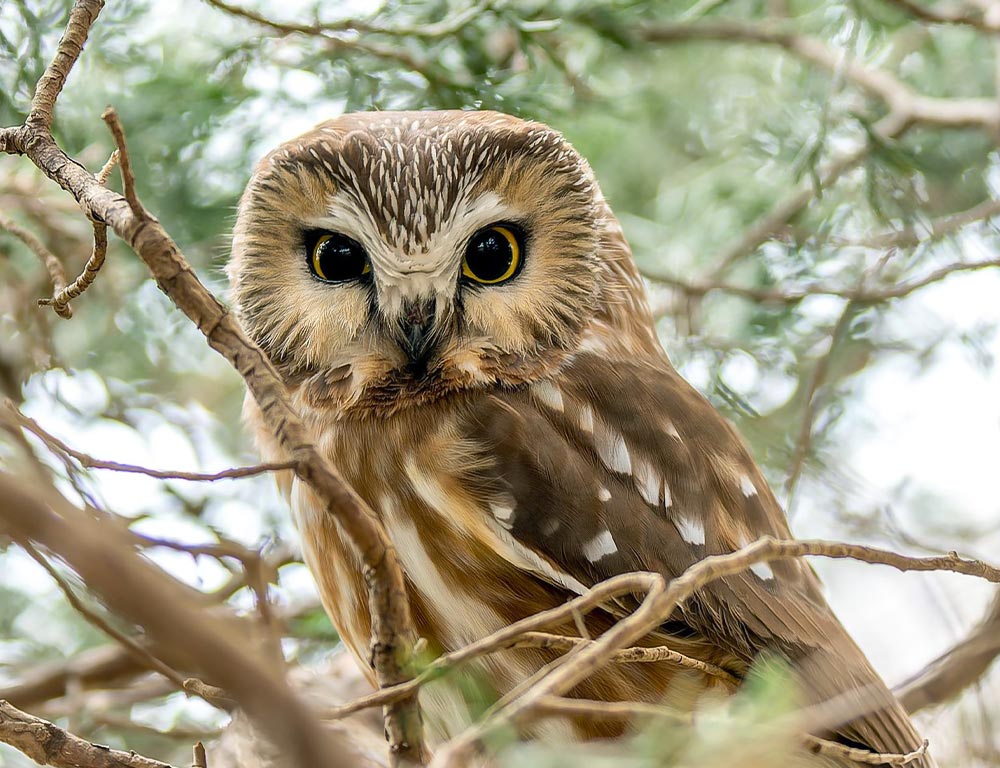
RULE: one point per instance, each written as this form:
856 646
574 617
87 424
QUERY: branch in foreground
559 706
15 417
48 259
954 671
659 604
47 744
392 625
137 590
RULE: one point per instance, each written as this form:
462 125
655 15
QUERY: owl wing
622 466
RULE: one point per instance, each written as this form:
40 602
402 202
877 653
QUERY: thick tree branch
136 590
48 744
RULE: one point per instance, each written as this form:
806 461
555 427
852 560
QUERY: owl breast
426 478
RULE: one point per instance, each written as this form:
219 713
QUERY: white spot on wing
747 486
667 501
647 481
515 552
604 494
504 513
692 531
763 571
612 449
599 547
586 418
549 394
671 430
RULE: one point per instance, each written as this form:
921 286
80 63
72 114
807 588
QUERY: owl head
391 258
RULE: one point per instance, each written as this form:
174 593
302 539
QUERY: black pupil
489 255
340 258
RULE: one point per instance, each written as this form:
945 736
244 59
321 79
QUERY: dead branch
391 622
659 604
47 744
60 300
327 32
502 640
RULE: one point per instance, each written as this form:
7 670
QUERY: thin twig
60 301
89 462
199 757
52 264
659 604
110 117
447 26
803 443
938 15
864 295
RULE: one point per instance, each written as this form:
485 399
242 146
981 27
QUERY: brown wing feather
631 450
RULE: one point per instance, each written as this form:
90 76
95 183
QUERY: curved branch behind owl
460 321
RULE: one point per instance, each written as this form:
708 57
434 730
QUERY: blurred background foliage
875 417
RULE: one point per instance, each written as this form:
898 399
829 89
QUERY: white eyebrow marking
549 394
691 530
599 547
647 482
747 486
604 494
612 449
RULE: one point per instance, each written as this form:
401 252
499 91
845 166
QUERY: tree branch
391 622
954 671
659 603
47 744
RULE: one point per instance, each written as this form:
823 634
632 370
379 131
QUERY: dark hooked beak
416 325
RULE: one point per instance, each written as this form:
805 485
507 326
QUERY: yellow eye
335 258
493 255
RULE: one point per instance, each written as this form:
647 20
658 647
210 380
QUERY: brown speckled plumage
545 444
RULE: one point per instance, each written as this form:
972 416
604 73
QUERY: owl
461 325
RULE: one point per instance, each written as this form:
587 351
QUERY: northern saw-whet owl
460 322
